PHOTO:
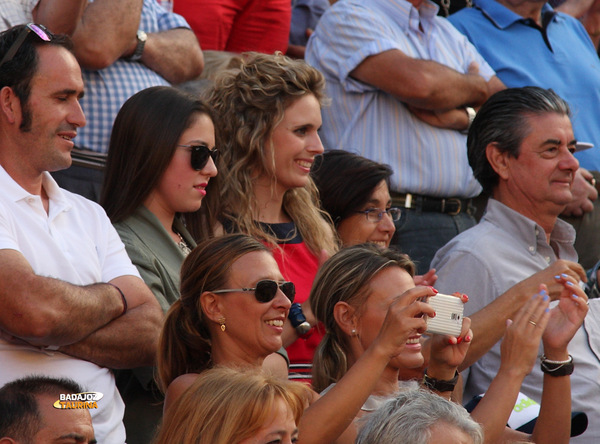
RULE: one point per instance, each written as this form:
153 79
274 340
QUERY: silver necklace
183 246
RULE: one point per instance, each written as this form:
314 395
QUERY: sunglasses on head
266 290
200 155
38 30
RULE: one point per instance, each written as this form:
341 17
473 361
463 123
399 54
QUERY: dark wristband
440 385
557 368
122 298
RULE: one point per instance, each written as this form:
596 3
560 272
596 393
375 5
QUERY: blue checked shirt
426 160
107 89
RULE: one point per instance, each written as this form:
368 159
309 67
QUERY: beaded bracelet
557 368
122 298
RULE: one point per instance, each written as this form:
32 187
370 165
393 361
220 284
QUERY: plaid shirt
107 89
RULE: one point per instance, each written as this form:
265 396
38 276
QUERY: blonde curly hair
249 103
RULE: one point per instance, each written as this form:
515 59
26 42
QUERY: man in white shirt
73 305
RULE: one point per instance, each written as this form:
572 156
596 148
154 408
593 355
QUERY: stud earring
221 322
353 332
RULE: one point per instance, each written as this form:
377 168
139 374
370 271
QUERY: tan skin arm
489 323
424 84
41 310
61 16
130 340
174 54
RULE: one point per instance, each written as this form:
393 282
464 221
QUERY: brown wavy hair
248 104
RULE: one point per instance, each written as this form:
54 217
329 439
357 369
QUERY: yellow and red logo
83 400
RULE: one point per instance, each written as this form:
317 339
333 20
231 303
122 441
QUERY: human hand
456 119
547 277
404 320
565 318
428 278
520 345
448 352
584 194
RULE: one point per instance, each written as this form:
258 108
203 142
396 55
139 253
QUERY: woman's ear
211 306
345 317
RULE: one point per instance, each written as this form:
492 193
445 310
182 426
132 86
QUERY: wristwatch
298 319
141 37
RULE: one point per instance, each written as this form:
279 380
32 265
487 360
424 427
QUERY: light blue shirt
561 57
107 89
426 160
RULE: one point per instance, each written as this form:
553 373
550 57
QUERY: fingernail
468 339
433 315
459 340
451 341
465 297
569 283
557 277
575 296
564 275
543 292
547 310
433 289
546 297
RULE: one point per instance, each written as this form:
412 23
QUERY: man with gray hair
521 148
419 417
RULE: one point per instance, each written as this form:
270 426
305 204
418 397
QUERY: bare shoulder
177 388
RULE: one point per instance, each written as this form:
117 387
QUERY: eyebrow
557 142
77 437
70 92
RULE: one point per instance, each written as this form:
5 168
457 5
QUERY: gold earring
221 322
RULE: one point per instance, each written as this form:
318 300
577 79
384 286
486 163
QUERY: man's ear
10 104
498 159
6 440
344 315
211 306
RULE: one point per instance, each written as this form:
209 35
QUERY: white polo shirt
76 243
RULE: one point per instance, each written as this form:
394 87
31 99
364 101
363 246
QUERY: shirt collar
401 11
529 233
501 16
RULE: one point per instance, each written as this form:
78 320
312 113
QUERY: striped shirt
426 160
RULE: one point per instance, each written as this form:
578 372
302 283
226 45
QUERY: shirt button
532 248
30 200
547 259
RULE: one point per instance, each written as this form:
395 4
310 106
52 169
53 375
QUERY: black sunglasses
266 290
38 30
200 155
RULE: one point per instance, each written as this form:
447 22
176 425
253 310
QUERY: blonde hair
249 103
185 344
226 406
345 277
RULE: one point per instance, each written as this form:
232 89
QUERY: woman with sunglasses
233 306
160 162
355 291
268 113
234 303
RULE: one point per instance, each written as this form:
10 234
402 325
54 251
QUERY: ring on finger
532 323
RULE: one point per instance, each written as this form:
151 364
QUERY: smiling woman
268 113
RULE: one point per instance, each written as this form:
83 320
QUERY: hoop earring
221 322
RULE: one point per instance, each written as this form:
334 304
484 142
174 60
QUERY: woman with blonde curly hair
268 113
227 406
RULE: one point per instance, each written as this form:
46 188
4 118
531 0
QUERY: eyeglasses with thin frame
376 214
38 30
266 290
200 155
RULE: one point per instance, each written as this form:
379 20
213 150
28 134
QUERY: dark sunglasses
200 155
266 290
38 30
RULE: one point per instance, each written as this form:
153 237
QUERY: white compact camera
448 315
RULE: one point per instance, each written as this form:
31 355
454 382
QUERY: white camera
448 315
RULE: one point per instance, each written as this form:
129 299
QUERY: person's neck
231 355
525 8
386 385
543 215
164 215
268 198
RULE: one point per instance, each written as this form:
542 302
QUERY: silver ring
532 323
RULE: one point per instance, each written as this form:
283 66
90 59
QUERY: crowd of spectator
223 221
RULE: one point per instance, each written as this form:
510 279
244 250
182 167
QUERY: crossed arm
85 321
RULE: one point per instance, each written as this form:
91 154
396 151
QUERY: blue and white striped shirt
426 160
